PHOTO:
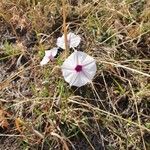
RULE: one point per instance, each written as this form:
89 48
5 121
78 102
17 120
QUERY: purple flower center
78 68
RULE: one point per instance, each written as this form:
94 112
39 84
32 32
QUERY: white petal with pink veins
73 40
79 69
49 55
61 42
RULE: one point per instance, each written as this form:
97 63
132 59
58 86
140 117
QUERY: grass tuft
40 110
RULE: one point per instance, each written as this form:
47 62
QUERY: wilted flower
72 40
79 69
49 56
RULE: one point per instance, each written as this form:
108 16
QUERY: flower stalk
65 27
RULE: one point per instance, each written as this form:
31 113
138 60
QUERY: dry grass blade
61 138
127 68
137 111
111 114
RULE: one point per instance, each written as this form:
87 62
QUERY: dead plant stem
64 26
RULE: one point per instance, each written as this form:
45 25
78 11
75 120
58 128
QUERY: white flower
72 40
79 69
49 55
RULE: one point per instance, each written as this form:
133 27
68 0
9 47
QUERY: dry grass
38 110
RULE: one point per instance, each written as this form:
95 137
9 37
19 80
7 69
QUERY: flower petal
44 61
48 53
54 51
81 56
75 79
82 77
69 75
90 70
80 80
73 40
71 61
61 42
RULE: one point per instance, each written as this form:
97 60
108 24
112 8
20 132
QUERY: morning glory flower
79 69
49 56
72 40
